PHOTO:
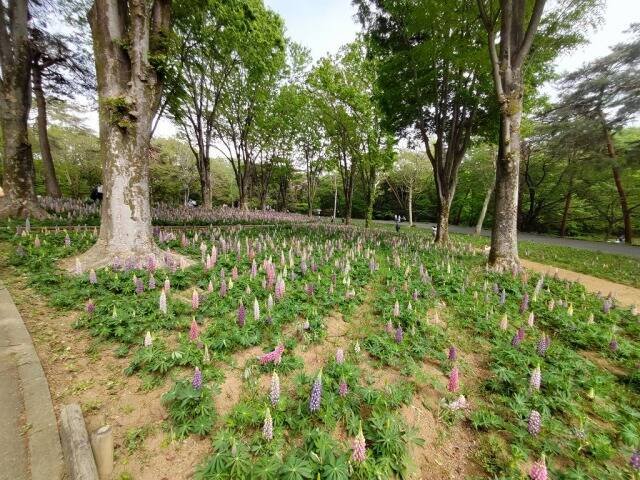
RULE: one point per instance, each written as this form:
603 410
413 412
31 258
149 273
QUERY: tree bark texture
516 38
129 92
15 102
50 179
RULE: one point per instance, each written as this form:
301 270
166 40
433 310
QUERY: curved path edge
29 436
624 294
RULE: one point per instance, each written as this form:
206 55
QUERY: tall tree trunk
442 232
516 38
410 206
565 210
15 102
129 95
204 175
335 198
50 179
624 205
483 212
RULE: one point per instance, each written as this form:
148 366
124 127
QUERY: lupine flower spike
535 420
539 470
453 353
197 379
535 380
316 393
454 382
148 341
339 356
195 299
359 453
267 427
163 301
343 389
274 394
194 331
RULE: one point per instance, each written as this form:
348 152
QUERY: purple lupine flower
274 394
613 345
503 297
197 379
139 286
535 420
606 305
223 288
163 301
453 353
339 356
152 282
535 380
343 389
454 381
634 461
539 470
194 331
267 427
359 447
399 334
195 299
242 315
93 279
91 307
316 393
518 337
67 240
543 344
524 305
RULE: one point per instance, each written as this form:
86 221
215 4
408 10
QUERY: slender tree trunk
565 211
335 199
442 233
204 175
624 205
15 102
50 179
483 212
504 235
411 206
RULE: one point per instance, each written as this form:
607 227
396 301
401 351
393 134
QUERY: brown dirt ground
79 371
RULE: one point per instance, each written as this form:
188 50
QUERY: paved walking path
624 295
29 442
606 247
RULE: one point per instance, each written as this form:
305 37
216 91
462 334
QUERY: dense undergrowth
406 303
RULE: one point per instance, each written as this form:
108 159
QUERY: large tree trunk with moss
127 37
50 179
516 38
19 199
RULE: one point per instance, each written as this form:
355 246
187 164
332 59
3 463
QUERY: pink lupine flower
234 273
223 289
543 344
163 301
210 287
453 380
535 380
359 447
274 394
267 427
197 379
274 356
539 470
242 315
339 356
195 300
194 331
343 389
535 420
389 327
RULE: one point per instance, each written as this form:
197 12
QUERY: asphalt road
606 247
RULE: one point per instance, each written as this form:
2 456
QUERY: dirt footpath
625 295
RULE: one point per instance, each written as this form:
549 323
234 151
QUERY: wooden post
78 456
102 446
